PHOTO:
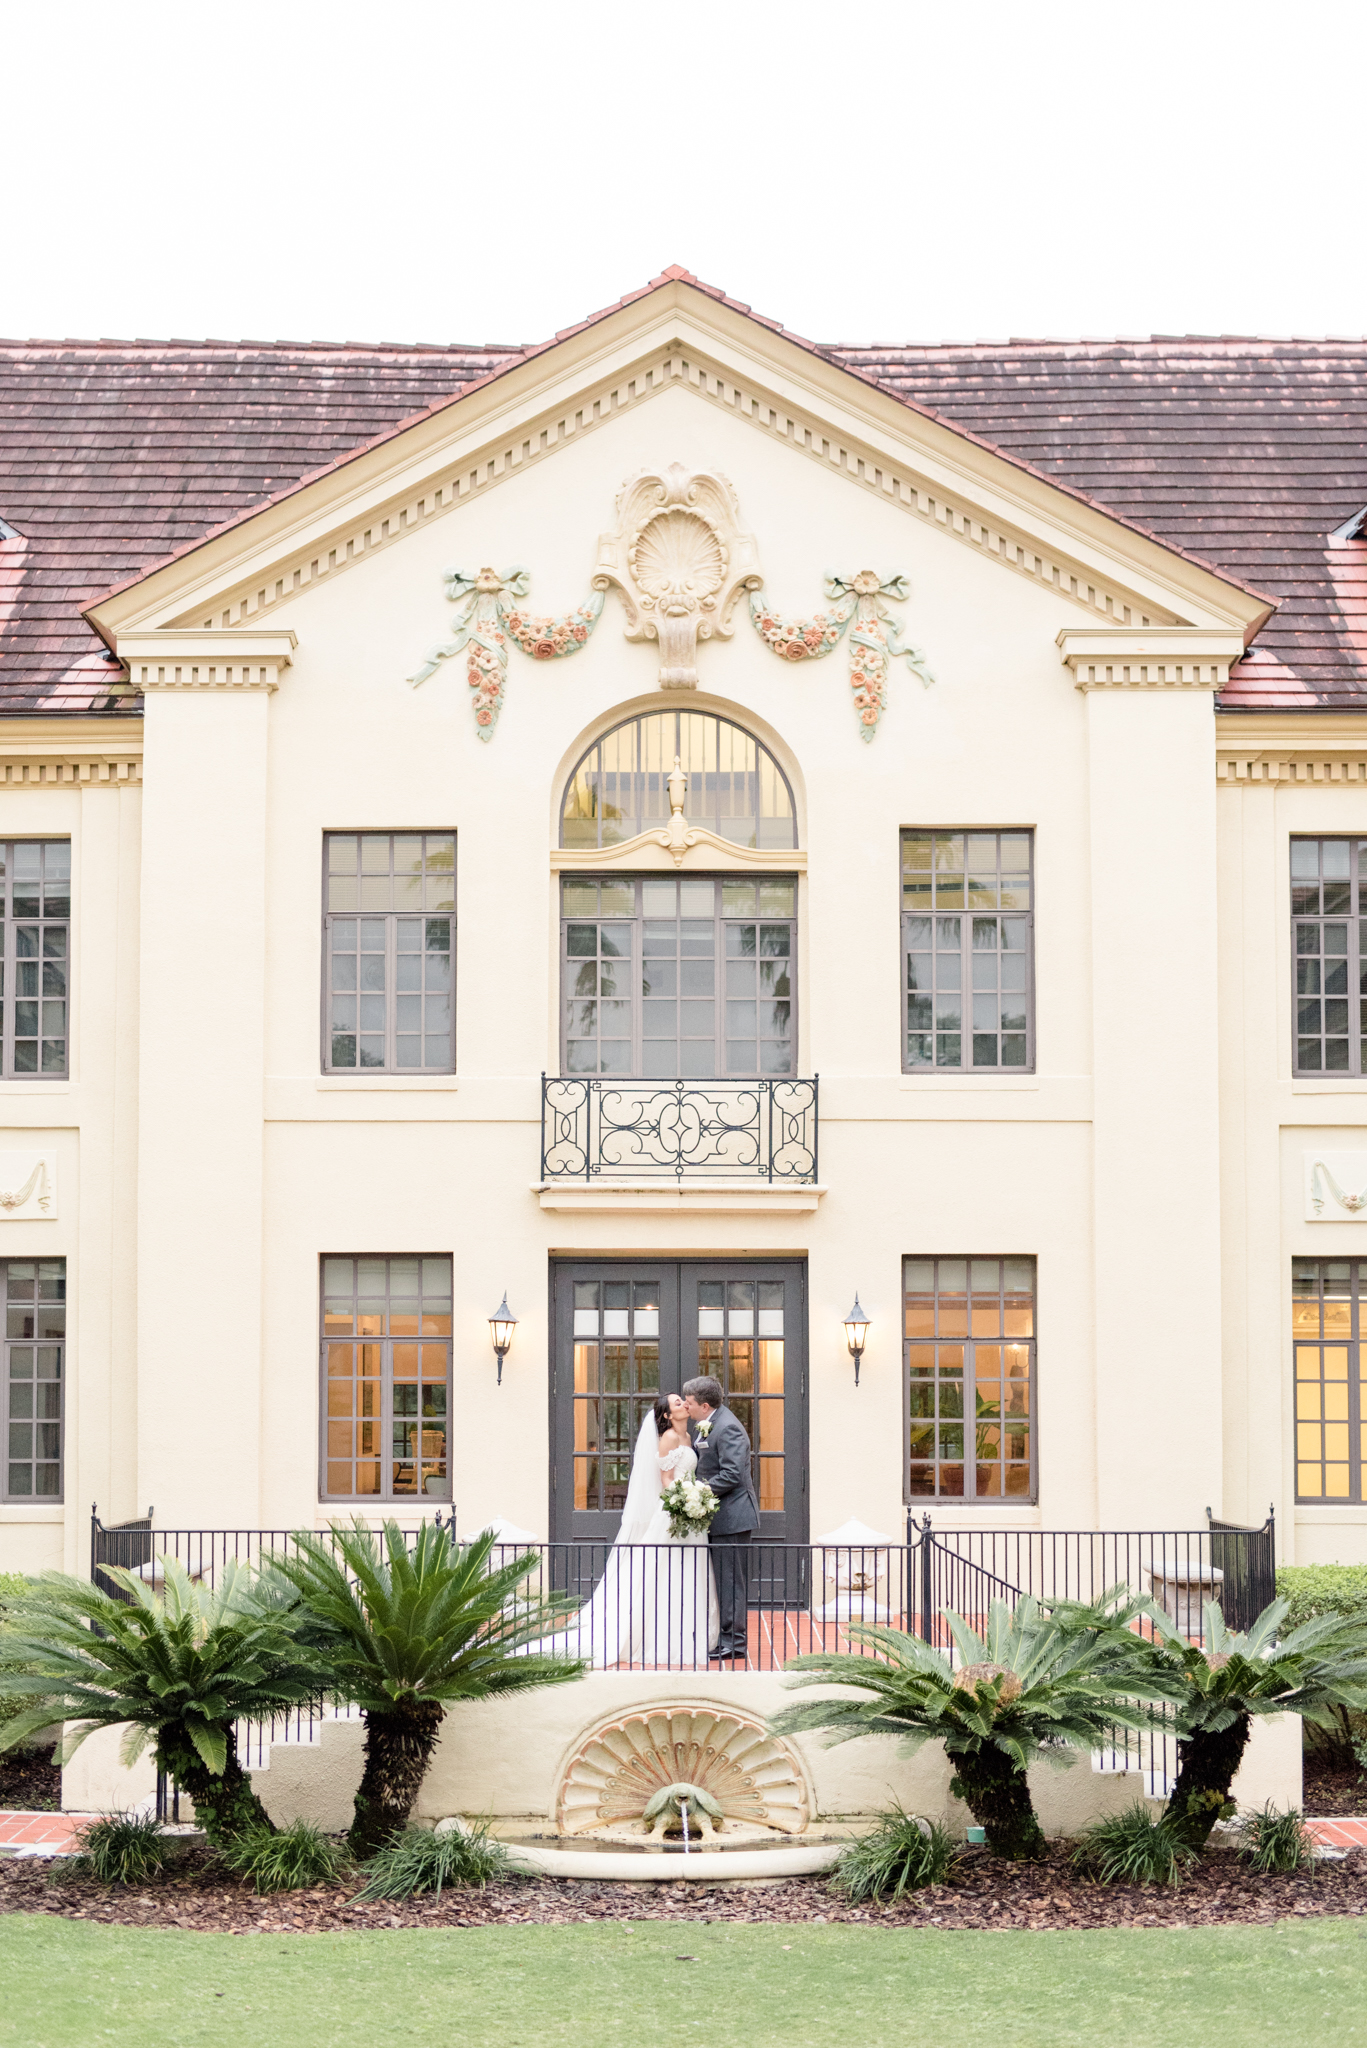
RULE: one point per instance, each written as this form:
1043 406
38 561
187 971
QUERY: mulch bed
30 1781
1332 1788
986 1893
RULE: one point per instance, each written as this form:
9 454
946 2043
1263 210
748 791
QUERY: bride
655 1604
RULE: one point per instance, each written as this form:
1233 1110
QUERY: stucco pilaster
202 1007
1156 1195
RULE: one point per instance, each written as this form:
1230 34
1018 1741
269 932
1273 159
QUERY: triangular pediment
676 337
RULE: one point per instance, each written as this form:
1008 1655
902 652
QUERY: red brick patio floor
55 1832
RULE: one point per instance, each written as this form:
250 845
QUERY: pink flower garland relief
874 640
488 619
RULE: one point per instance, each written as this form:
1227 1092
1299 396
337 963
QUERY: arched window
735 786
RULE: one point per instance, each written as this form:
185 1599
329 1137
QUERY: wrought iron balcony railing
595 1128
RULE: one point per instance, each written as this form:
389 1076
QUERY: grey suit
724 1463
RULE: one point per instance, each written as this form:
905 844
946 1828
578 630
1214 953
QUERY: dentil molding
234 658
1165 657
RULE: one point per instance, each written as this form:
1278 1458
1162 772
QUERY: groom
723 1450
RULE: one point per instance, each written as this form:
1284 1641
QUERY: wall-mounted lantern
502 1323
856 1330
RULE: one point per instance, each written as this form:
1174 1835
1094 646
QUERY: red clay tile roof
1247 454
113 454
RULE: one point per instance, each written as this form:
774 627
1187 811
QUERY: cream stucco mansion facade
845 818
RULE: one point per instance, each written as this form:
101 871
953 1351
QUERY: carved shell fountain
621 1765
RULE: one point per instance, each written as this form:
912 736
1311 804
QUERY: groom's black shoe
725 1650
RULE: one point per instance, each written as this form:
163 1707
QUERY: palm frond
418 1618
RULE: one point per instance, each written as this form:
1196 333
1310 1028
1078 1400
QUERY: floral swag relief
856 608
491 615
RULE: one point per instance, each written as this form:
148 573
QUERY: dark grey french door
627 1330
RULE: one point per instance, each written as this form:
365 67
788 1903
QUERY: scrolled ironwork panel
599 1127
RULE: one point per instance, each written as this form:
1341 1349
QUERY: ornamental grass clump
901 1854
179 1666
1274 1838
1219 1689
1134 1847
406 1626
289 1859
423 1860
118 1848
1035 1685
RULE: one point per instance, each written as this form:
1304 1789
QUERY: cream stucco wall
1149 1165
1268 1122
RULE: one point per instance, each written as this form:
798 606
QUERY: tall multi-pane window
969 1334
967 919
36 965
667 978
1326 1328
389 950
35 1359
386 1372
1329 944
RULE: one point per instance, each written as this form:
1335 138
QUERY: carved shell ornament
620 1768
490 615
857 607
680 560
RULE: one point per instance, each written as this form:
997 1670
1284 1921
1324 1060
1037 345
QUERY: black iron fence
654 1607
1181 1569
594 1128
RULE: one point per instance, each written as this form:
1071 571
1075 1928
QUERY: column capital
1150 657
229 658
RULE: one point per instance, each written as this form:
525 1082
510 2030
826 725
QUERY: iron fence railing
595 1128
652 1606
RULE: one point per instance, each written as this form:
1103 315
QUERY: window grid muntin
35 969
616 1364
630 911
369 952
967 950
1328 990
943 1372
34 1394
741 1343
369 1304
1326 1371
619 787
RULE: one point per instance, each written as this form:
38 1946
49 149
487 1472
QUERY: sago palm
1218 1690
179 1666
408 1626
1032 1685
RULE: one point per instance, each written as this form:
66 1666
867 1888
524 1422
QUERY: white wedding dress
655 1605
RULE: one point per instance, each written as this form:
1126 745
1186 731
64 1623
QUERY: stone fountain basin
642 1861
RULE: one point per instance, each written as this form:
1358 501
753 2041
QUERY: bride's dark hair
663 1419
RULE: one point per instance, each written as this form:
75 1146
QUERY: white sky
408 170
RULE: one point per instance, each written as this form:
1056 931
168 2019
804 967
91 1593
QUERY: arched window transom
735 786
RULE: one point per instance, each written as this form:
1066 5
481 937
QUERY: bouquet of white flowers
690 1505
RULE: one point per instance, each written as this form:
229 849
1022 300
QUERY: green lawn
64 1983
